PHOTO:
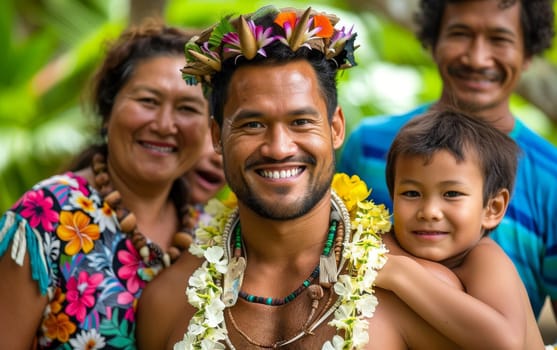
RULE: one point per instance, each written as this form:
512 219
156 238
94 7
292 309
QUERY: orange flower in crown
299 31
246 37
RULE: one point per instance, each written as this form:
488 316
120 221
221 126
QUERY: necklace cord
233 222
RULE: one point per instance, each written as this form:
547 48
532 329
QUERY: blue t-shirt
528 233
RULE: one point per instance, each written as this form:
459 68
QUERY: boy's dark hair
458 133
536 18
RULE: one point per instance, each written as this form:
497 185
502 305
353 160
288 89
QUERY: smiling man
481 48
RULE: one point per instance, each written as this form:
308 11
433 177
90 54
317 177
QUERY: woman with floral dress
78 248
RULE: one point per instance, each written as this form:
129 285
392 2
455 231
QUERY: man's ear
338 128
215 136
495 209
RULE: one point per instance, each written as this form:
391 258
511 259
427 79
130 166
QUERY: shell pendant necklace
331 263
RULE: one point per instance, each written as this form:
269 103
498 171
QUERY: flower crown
246 36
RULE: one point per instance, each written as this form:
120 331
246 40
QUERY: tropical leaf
43 77
222 28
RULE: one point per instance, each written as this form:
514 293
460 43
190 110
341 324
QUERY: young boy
450 177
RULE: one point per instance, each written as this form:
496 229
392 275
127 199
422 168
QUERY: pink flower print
80 294
37 209
126 298
131 261
82 185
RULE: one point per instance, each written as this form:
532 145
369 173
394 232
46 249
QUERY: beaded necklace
360 254
306 283
339 217
153 255
315 291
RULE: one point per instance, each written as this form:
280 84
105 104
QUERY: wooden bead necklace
151 253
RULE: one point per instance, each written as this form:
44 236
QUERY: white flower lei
356 302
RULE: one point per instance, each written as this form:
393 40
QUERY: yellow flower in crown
351 190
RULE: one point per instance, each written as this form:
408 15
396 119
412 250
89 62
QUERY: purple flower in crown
250 40
201 59
232 40
207 51
242 37
338 42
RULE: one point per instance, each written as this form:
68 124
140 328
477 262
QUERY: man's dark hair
458 133
536 18
277 53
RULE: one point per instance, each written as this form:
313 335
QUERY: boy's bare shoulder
487 251
396 326
438 270
487 264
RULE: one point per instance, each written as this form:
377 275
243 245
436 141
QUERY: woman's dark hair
536 18
150 39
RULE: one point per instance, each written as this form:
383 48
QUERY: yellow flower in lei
350 189
364 254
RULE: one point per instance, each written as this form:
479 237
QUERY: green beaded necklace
305 284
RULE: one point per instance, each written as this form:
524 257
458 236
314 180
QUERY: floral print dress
87 267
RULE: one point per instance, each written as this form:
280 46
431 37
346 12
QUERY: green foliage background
51 47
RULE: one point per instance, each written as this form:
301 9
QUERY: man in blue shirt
481 49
